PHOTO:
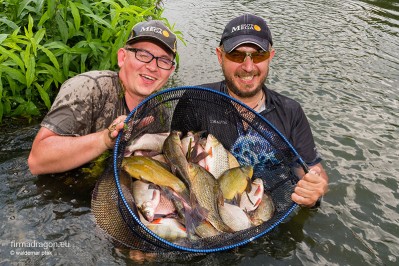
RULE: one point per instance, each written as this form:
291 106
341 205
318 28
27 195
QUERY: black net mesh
248 136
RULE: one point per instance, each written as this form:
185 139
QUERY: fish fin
236 200
197 212
181 227
232 201
258 190
172 215
257 203
189 150
157 221
210 152
158 216
193 217
219 197
199 157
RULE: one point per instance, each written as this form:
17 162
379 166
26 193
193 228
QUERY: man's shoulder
92 81
97 75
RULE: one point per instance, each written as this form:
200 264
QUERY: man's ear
272 53
121 57
219 53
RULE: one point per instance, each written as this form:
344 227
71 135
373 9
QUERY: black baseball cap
246 29
153 30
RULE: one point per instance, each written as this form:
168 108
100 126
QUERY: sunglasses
239 57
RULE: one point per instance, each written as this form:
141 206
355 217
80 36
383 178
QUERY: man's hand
311 187
110 134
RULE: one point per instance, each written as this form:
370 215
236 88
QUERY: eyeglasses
239 57
146 57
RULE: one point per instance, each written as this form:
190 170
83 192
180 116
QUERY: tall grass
45 42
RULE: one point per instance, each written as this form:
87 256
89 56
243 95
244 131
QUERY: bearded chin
242 94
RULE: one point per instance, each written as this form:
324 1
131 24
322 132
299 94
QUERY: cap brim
232 43
151 38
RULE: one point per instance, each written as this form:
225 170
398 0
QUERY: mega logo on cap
246 27
155 30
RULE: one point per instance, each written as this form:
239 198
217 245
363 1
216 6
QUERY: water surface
339 59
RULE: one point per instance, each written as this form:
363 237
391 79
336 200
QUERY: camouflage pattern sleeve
85 104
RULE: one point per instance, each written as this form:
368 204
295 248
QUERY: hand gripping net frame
194 108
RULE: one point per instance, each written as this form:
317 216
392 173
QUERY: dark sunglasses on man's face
239 56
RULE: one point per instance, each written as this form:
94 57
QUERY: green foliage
45 42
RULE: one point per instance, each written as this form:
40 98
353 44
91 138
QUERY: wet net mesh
247 135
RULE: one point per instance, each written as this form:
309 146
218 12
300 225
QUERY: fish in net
247 136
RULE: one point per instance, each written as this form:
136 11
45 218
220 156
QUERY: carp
205 192
145 168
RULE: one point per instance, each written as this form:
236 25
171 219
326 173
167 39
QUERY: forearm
55 154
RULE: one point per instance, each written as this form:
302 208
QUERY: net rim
164 241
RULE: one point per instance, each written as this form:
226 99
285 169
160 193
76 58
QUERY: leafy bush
45 42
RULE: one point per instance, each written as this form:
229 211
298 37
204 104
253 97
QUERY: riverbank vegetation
45 42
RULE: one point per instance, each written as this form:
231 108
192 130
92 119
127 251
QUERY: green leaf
66 59
62 27
44 18
13 74
114 4
1 87
51 7
57 45
50 55
18 99
51 71
83 58
30 71
39 35
32 109
25 54
9 23
29 32
26 109
125 3
13 85
13 56
43 95
84 7
1 112
99 20
7 107
22 6
75 15
3 37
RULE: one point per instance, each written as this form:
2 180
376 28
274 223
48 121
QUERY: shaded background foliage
45 42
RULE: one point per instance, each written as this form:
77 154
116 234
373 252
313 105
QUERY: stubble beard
237 91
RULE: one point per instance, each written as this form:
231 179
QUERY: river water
339 59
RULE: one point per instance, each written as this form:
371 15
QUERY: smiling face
141 79
244 79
